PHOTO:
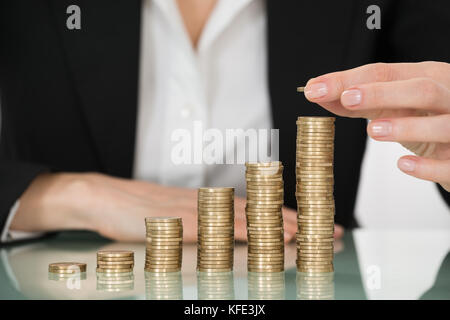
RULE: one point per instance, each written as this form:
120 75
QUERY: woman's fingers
419 93
427 169
329 87
412 129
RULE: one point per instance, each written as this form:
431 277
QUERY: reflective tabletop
369 264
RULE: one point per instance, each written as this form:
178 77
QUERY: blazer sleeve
418 31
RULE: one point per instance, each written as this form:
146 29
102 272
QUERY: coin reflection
215 285
315 286
266 285
115 282
66 276
163 286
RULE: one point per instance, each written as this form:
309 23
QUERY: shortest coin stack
65 270
164 247
118 261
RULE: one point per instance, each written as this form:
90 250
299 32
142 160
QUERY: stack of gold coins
115 282
314 192
215 249
66 270
164 246
163 286
315 286
266 286
117 261
265 231
215 286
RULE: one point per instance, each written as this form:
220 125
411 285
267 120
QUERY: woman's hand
115 208
407 102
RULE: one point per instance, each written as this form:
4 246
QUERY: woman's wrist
55 202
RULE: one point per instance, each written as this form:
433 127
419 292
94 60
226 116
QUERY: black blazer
69 97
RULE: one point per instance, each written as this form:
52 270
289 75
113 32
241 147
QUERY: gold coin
212 242
269 220
206 247
208 240
115 254
219 233
216 218
216 190
313 247
316 119
162 269
251 210
263 180
223 259
115 266
215 214
264 197
74 267
266 267
229 230
112 263
212 196
264 164
268 255
265 234
162 225
280 239
215 204
308 215
164 220
255 250
114 270
307 226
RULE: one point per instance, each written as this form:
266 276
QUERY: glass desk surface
369 264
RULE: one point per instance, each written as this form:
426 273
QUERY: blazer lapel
103 59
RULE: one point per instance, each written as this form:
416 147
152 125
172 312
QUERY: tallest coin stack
314 193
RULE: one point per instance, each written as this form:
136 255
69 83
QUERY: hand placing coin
408 103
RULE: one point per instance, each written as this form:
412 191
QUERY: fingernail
316 90
380 128
407 165
351 97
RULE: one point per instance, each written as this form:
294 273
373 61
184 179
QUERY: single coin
158 220
115 254
74 267
114 270
113 263
216 190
